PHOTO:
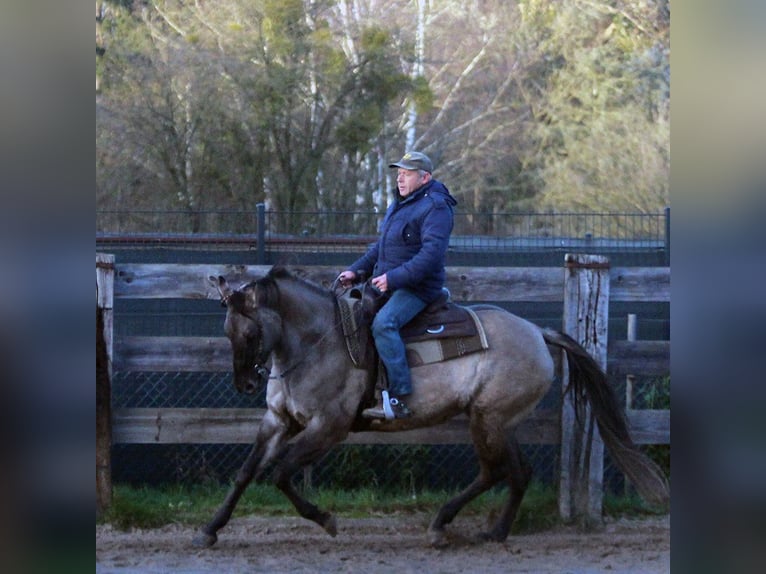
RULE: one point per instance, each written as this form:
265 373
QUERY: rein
284 373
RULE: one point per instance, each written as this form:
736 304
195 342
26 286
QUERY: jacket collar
417 194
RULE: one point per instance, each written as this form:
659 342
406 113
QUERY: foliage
628 505
602 116
145 507
656 395
301 104
404 465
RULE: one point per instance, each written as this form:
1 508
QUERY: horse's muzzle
253 380
248 388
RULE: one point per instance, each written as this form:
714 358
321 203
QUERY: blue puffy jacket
413 242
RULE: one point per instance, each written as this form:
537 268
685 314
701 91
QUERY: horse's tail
588 382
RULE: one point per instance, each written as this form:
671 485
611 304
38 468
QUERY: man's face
409 180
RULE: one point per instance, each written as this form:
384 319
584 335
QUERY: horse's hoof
331 526
490 537
204 540
483 537
437 539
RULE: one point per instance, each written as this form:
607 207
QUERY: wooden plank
466 283
238 426
182 354
505 283
541 427
183 281
649 426
644 358
190 281
213 354
635 284
193 426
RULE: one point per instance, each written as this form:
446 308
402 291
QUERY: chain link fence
387 467
264 237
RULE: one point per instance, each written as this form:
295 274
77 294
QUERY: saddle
443 330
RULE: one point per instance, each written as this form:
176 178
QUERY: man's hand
381 282
346 278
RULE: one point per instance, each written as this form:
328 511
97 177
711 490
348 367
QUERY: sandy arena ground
386 544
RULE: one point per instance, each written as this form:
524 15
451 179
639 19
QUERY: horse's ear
251 295
223 288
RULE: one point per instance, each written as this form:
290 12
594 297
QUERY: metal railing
263 231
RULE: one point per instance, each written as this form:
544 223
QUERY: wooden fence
586 284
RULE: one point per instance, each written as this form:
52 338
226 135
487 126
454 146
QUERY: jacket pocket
410 235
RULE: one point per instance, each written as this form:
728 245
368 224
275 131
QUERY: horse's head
253 330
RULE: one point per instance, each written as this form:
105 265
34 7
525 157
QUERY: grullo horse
315 395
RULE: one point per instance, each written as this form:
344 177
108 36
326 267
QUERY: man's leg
397 312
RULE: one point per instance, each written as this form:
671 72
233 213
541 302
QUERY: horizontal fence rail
206 354
235 426
466 284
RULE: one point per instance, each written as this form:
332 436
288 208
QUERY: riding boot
388 408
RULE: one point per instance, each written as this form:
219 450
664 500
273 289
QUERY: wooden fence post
630 378
586 313
104 349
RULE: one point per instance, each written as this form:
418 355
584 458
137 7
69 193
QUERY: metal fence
264 231
302 238
262 222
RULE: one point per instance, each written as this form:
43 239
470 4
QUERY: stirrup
387 410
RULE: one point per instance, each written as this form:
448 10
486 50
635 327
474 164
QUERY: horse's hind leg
447 513
494 466
519 475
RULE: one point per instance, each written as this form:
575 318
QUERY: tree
600 103
302 104
273 92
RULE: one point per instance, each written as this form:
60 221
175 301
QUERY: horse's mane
267 289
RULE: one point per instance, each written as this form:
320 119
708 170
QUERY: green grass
194 505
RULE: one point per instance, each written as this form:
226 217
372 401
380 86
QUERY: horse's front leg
305 448
270 440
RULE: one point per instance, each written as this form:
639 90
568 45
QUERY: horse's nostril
249 389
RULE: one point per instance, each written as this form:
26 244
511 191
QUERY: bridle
261 357
260 368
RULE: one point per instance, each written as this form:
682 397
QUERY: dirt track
391 543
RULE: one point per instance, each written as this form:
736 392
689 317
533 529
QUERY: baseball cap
414 160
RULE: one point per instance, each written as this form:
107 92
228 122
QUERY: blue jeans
401 307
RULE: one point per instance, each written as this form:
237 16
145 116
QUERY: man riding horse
406 264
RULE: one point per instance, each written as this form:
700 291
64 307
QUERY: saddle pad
419 352
436 350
